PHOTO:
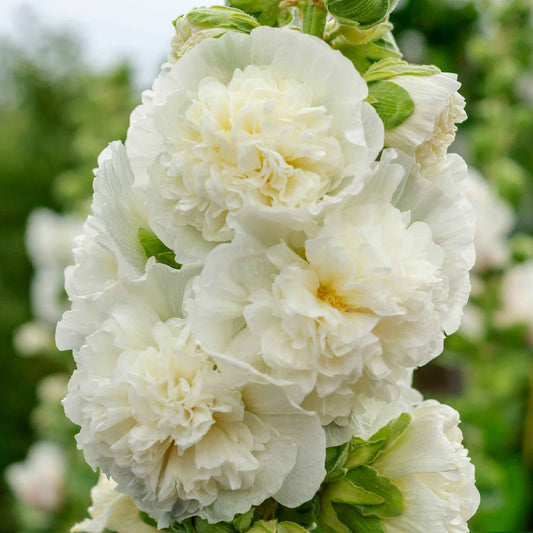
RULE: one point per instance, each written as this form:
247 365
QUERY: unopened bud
205 23
366 13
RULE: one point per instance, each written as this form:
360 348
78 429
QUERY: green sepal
364 48
368 479
392 431
290 527
227 18
261 526
363 452
355 522
336 457
366 13
358 452
393 67
153 247
344 491
244 521
394 104
328 519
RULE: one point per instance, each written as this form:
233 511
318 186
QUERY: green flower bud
363 47
207 22
355 497
366 13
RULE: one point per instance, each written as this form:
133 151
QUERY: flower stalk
314 17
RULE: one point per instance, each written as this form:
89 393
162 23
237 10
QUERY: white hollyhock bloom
39 480
517 297
494 221
181 435
49 238
429 464
430 130
364 294
52 388
275 119
112 511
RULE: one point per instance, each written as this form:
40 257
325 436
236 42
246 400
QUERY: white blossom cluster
262 271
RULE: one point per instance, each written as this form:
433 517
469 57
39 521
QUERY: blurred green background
56 115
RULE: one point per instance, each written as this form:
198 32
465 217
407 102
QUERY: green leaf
392 67
304 515
366 13
222 17
394 104
147 519
356 522
243 522
153 247
367 478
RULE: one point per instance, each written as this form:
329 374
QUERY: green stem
314 18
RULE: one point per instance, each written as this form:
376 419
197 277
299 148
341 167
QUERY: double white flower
274 119
318 269
363 293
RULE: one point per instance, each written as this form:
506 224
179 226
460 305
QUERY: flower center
328 295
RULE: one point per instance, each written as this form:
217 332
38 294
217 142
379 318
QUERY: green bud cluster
354 496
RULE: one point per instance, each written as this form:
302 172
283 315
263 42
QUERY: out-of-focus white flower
33 338
275 119
182 435
472 325
113 511
39 480
49 238
363 295
430 466
494 221
517 297
430 130
52 388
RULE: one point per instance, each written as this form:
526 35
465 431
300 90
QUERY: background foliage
56 116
